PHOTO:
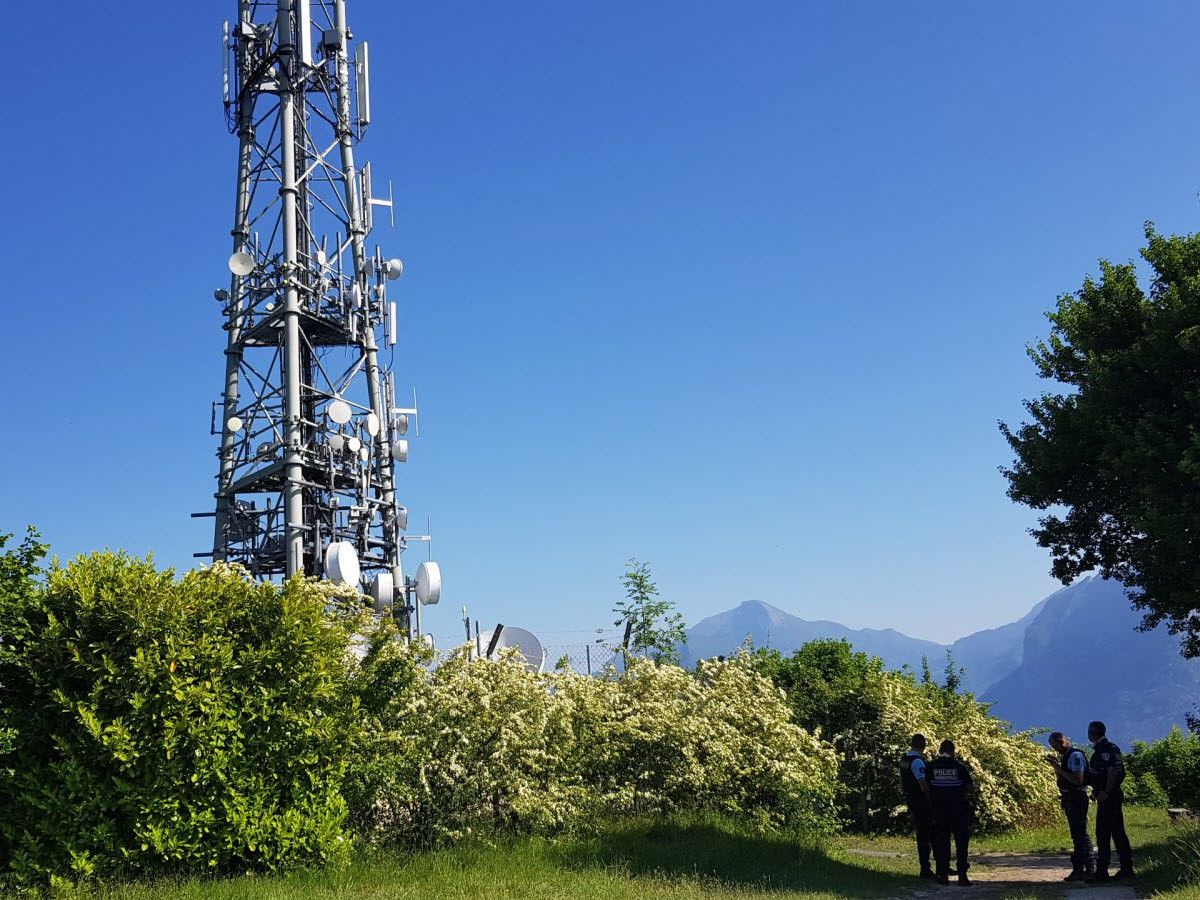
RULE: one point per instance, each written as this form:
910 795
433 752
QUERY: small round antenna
234 424
353 444
402 423
341 563
382 591
372 424
394 268
337 443
241 263
400 451
339 411
429 583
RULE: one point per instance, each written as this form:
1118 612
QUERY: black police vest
1105 755
1066 787
908 781
948 781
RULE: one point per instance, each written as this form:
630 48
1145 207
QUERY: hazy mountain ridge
1075 656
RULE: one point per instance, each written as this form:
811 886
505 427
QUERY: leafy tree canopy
656 629
1113 458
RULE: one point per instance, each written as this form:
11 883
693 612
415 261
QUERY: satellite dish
234 424
241 263
400 451
429 583
394 269
353 444
428 639
372 424
341 563
321 259
364 454
339 411
382 591
402 423
337 443
527 643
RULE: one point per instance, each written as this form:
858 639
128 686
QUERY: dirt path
1019 875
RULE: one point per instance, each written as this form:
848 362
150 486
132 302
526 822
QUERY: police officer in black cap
1106 771
1070 765
952 796
915 785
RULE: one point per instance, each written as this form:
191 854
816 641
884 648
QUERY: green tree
656 629
1113 459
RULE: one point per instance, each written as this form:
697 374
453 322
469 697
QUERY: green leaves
159 725
655 628
1115 454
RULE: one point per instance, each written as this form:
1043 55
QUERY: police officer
952 796
915 785
1070 765
1106 771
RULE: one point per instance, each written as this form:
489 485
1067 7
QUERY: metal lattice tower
310 430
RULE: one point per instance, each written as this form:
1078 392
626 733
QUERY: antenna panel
362 66
304 21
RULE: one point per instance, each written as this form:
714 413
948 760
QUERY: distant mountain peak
1152 686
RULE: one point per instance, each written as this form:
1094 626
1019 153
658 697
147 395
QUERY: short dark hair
1097 727
1055 737
947 747
917 742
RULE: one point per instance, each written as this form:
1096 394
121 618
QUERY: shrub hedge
160 725
153 724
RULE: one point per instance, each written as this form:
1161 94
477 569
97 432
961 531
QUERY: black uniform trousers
1075 805
922 819
952 820
1110 829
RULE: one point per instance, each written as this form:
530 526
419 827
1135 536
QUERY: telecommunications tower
311 433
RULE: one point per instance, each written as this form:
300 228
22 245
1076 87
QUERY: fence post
587 651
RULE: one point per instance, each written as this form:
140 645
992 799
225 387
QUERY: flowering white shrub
1014 785
476 746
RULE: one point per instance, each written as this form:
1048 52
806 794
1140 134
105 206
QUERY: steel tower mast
310 430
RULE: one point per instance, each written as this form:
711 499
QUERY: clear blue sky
737 288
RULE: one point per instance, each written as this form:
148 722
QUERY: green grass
678 859
672 860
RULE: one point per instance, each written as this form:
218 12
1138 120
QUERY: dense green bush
1143 789
1174 761
155 724
480 746
869 714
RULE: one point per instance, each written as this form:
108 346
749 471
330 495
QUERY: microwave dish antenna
241 264
523 641
429 583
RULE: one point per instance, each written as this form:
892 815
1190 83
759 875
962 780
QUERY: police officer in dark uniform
1106 771
952 796
915 785
1070 765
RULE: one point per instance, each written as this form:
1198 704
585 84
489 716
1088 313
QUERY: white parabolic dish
526 642
339 411
382 591
241 263
341 563
429 583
